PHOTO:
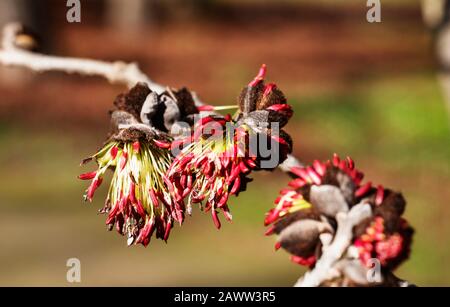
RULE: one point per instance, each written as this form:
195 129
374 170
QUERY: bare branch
115 72
335 250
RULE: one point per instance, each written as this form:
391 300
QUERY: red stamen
167 232
273 215
198 199
243 167
140 209
236 185
205 120
132 195
215 218
225 160
358 177
223 200
207 169
284 192
112 214
343 165
227 214
162 144
136 146
123 160
189 182
304 261
379 195
183 179
302 173
260 76
234 174
277 245
278 139
94 185
363 190
296 183
205 108
269 88
313 175
168 183
351 163
319 167
123 204
336 160
153 197
87 176
146 232
179 217
270 231
113 152
185 192
251 163
280 107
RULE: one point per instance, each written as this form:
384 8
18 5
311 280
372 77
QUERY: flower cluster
318 193
375 243
218 157
138 203
211 168
153 185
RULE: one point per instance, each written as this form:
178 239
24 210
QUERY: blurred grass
396 129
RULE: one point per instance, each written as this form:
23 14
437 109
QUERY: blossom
374 243
137 151
318 193
212 168
390 246
319 173
138 202
217 158
152 186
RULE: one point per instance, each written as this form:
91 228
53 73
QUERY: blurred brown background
370 91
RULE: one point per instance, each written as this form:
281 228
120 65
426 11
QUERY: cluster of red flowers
138 203
211 168
151 187
375 244
217 159
322 190
290 198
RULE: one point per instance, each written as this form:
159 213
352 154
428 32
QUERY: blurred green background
365 90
